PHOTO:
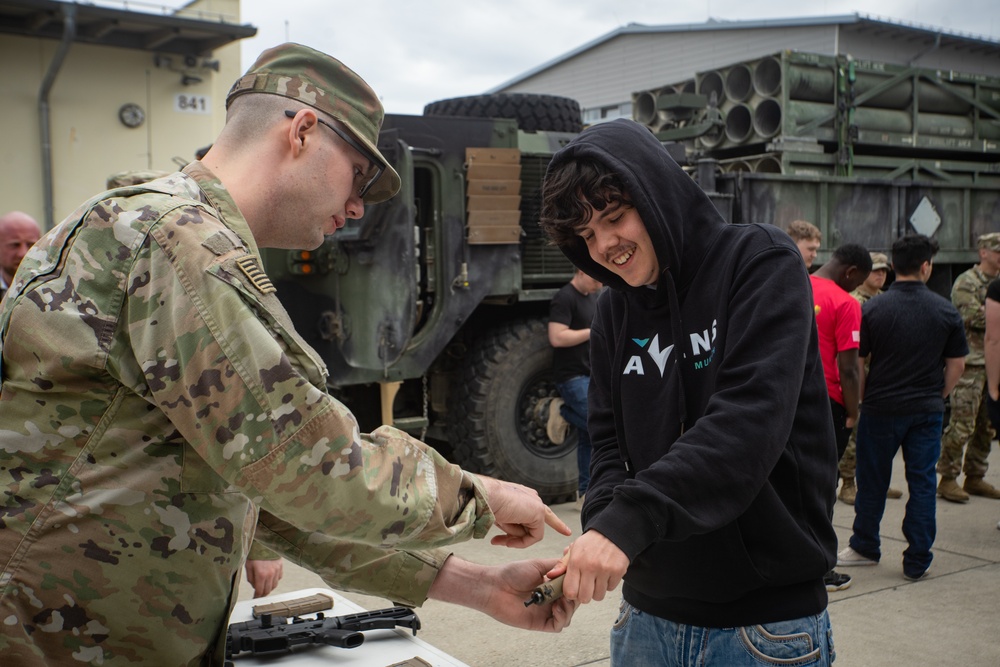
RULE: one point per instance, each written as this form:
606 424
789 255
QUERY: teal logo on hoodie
701 343
658 356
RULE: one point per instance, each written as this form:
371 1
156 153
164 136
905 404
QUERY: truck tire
533 113
490 415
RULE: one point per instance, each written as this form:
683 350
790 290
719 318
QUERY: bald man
18 232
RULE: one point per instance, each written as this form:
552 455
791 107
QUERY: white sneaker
848 557
922 575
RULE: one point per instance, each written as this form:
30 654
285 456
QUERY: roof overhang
103 26
871 27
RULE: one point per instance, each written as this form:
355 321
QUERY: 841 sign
193 104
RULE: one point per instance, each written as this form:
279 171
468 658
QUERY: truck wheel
491 417
533 113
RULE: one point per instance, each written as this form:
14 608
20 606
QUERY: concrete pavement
950 618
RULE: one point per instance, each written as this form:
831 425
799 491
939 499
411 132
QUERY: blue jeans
879 437
574 410
643 640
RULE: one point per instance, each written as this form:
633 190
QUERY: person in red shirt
838 323
838 319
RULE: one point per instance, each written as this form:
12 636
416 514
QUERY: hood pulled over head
679 217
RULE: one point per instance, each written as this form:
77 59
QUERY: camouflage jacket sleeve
260 552
221 360
969 296
153 391
403 577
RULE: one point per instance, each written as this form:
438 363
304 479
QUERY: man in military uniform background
156 404
969 428
18 232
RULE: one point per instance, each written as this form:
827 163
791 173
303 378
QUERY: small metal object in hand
547 592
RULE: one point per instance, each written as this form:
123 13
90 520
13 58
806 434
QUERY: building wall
900 50
611 72
603 78
88 141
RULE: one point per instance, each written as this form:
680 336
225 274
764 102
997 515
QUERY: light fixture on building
191 68
131 115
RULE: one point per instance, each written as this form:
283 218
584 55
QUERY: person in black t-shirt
916 341
570 314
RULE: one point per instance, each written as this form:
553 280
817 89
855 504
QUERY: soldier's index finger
555 522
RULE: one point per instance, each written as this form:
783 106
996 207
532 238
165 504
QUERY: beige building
88 91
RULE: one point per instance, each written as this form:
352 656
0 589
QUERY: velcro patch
252 270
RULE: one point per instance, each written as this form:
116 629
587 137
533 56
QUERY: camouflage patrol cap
879 261
989 241
326 84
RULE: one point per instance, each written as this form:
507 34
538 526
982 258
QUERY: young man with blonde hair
808 239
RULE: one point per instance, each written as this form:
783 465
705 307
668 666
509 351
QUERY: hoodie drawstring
677 332
616 393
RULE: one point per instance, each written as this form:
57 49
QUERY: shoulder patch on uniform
251 269
219 243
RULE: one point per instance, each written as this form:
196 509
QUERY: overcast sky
416 51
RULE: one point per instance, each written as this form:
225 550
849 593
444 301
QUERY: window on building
604 113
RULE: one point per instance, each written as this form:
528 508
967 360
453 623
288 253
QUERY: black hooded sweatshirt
714 462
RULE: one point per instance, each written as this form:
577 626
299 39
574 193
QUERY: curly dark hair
853 254
572 192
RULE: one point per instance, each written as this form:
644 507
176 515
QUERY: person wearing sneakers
915 342
872 286
570 315
838 322
969 429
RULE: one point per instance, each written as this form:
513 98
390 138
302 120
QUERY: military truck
431 311
865 150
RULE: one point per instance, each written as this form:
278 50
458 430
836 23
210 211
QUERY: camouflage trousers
969 428
849 461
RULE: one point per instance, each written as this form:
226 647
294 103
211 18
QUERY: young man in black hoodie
713 471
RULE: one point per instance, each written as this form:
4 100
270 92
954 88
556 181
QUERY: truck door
354 298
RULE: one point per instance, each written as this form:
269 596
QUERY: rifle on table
271 635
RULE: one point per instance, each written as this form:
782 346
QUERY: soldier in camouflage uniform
156 403
969 427
264 567
872 286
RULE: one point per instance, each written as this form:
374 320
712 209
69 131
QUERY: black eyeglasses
377 166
